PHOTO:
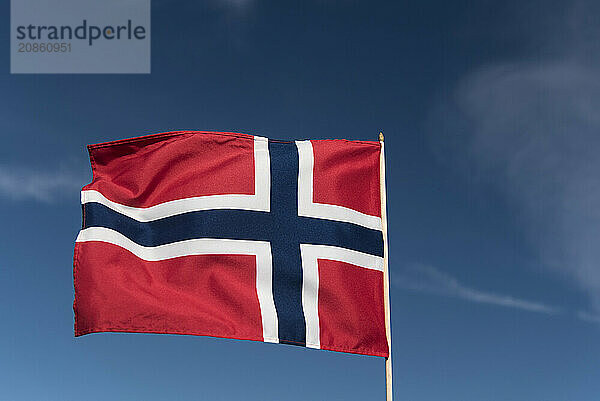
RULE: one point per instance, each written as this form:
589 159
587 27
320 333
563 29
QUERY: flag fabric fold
236 236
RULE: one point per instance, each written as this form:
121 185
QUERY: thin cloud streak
425 278
588 317
237 3
17 183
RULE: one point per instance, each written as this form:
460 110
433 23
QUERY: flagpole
386 274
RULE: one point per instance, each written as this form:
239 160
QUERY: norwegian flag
237 236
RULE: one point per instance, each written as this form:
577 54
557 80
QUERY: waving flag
237 236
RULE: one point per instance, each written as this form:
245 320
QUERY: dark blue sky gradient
294 70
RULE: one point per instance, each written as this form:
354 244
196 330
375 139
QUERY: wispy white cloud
236 8
40 185
588 317
427 278
236 3
533 128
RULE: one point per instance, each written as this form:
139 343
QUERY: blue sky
490 114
